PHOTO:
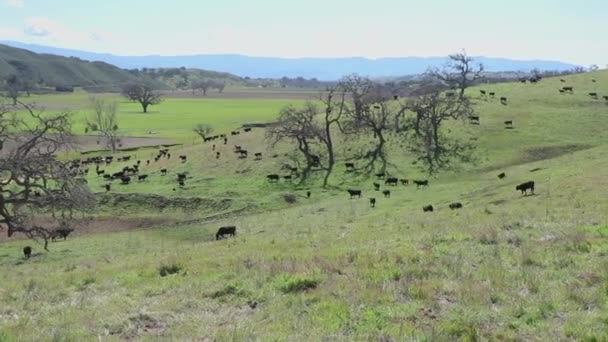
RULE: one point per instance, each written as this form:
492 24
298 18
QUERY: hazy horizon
546 30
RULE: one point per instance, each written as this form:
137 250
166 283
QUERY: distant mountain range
269 67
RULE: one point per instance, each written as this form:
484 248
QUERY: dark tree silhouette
144 94
459 73
35 186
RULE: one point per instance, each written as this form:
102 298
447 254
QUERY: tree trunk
145 107
330 153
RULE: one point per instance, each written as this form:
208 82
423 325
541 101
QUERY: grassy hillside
51 70
505 267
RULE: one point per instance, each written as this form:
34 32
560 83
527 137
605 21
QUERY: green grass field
506 267
174 117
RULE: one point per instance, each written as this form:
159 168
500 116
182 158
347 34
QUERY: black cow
349 165
225 232
181 183
562 91
308 194
258 156
482 92
568 89
372 202
225 141
125 180
404 181
509 124
27 252
474 119
524 187
420 183
287 178
217 155
380 175
273 178
502 175
593 95
562 80
605 98
503 100
142 177
455 206
163 172
427 208
181 176
386 193
100 172
243 154
354 193
376 186
247 129
392 181
108 187
61 233
183 158
492 94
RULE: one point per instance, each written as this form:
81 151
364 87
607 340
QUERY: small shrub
292 284
289 198
168 269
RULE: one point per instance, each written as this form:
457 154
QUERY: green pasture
505 267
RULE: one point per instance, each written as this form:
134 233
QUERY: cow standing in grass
524 187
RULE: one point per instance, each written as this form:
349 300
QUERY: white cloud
57 33
14 3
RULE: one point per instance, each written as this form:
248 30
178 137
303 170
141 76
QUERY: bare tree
459 73
203 130
429 142
38 192
334 102
104 121
299 126
373 111
143 94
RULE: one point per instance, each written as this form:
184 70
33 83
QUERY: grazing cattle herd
127 173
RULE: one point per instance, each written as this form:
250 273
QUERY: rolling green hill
50 71
505 267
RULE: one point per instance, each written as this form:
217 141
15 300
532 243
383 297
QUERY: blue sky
566 30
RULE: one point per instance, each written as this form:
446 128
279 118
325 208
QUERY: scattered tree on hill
430 142
27 78
201 85
38 192
300 126
203 130
12 88
143 94
104 121
372 111
459 73
335 105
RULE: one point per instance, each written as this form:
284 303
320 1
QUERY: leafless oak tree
459 73
104 121
144 94
429 142
34 184
298 125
